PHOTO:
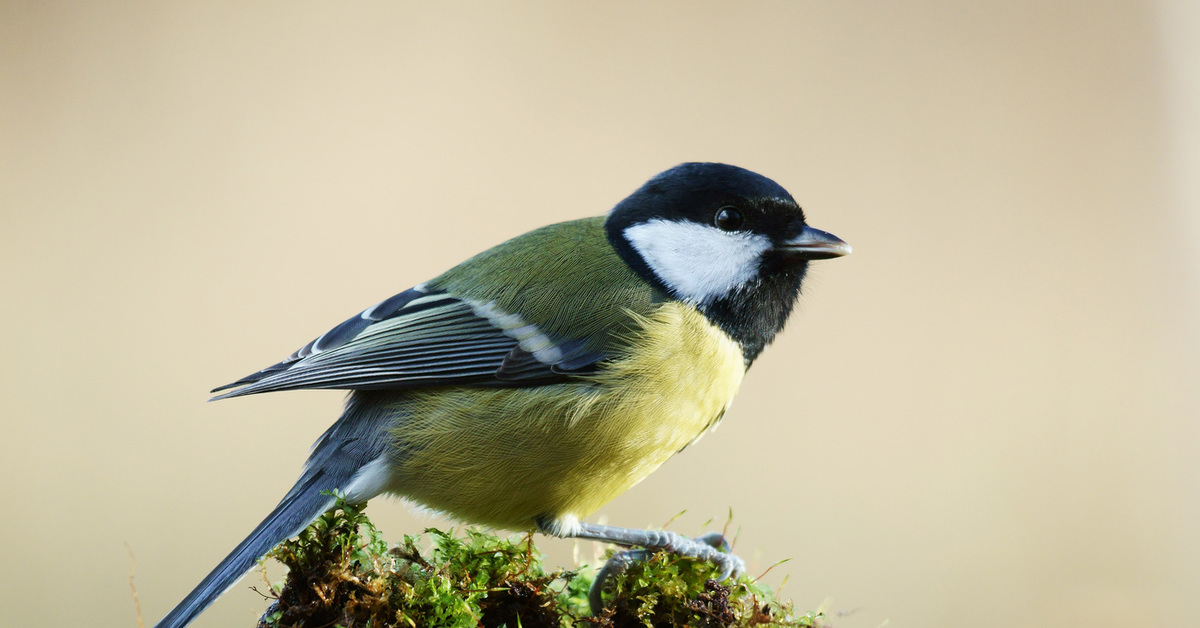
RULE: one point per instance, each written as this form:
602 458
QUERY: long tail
298 508
349 457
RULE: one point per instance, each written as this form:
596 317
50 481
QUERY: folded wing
418 339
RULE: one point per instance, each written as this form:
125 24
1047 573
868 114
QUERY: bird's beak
815 244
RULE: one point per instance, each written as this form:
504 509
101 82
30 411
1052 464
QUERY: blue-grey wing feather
411 340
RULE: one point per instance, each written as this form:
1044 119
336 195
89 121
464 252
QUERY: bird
531 384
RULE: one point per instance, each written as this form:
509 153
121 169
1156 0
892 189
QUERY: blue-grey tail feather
297 509
357 439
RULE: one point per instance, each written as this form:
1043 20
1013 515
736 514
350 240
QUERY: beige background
986 416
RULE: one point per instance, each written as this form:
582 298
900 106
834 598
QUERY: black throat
753 314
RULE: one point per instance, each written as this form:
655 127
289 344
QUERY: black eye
728 219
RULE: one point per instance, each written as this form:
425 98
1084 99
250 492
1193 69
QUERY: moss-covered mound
342 573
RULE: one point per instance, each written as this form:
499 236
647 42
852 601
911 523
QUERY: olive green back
564 278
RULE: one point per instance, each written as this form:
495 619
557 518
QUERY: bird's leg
711 547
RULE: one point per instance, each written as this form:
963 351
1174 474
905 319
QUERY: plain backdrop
985 416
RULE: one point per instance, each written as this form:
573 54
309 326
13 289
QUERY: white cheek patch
699 262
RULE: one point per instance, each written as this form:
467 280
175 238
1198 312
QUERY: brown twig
136 603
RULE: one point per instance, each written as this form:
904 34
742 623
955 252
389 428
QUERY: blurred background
986 416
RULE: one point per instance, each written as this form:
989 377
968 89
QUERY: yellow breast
505 457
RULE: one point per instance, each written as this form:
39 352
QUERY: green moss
342 573
670 590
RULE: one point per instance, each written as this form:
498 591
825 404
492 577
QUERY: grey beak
815 244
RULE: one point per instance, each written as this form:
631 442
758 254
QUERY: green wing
538 309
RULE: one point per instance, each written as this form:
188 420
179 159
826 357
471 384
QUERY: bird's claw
732 565
711 547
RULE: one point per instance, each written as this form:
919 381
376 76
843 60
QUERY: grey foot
710 547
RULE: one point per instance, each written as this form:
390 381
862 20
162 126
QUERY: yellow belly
506 457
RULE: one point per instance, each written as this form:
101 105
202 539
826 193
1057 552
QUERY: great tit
531 384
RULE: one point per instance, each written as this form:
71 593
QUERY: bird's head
729 241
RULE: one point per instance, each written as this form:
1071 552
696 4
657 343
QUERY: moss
342 573
669 590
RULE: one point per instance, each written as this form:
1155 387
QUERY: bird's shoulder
565 279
